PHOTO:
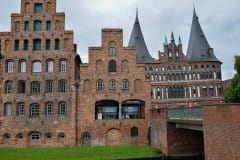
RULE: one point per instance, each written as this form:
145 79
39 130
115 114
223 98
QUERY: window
37 25
63 65
35 136
22 66
25 45
61 136
49 108
86 136
38 8
37 44
62 109
106 110
134 132
131 111
16 45
112 51
112 84
49 86
99 85
48 25
20 109
20 136
112 66
48 135
8 109
57 44
62 86
34 110
9 87
48 44
35 88
36 67
6 136
9 66
50 66
125 84
26 26
21 87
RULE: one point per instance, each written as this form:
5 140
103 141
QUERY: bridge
186 117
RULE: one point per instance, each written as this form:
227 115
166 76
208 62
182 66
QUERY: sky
220 21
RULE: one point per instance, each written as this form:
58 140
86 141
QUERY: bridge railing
186 113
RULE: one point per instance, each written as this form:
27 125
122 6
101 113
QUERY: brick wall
221 132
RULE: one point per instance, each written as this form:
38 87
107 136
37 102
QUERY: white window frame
63 66
37 67
23 67
50 66
10 66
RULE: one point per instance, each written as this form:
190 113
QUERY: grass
78 153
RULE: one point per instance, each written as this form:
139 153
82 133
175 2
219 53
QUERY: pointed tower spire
172 37
198 46
165 43
179 41
137 41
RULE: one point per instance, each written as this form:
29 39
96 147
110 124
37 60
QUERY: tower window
57 44
48 25
48 44
37 25
38 8
37 44
16 45
25 46
112 66
26 25
112 51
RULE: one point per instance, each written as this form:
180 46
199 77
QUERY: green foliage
78 153
232 94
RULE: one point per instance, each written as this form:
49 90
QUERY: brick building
50 98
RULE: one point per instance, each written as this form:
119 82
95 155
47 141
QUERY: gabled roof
137 41
198 47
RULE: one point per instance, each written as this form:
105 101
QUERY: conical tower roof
137 40
198 46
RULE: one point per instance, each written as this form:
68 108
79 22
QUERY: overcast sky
220 21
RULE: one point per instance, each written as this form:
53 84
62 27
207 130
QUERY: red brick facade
221 127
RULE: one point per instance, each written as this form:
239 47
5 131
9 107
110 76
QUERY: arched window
20 136
204 91
17 26
48 44
7 109
49 86
26 25
38 8
112 66
37 44
9 66
61 136
50 65
62 108
16 45
6 136
57 44
48 25
49 109
63 65
49 6
112 51
25 45
86 135
35 87
37 25
9 87
36 66
48 136
21 87
20 109
27 7
34 110
112 84
134 132
35 136
62 85
99 85
125 84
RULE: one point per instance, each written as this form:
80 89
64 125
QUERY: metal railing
186 113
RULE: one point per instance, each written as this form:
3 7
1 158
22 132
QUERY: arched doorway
114 137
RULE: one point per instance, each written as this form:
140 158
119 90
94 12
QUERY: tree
232 94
